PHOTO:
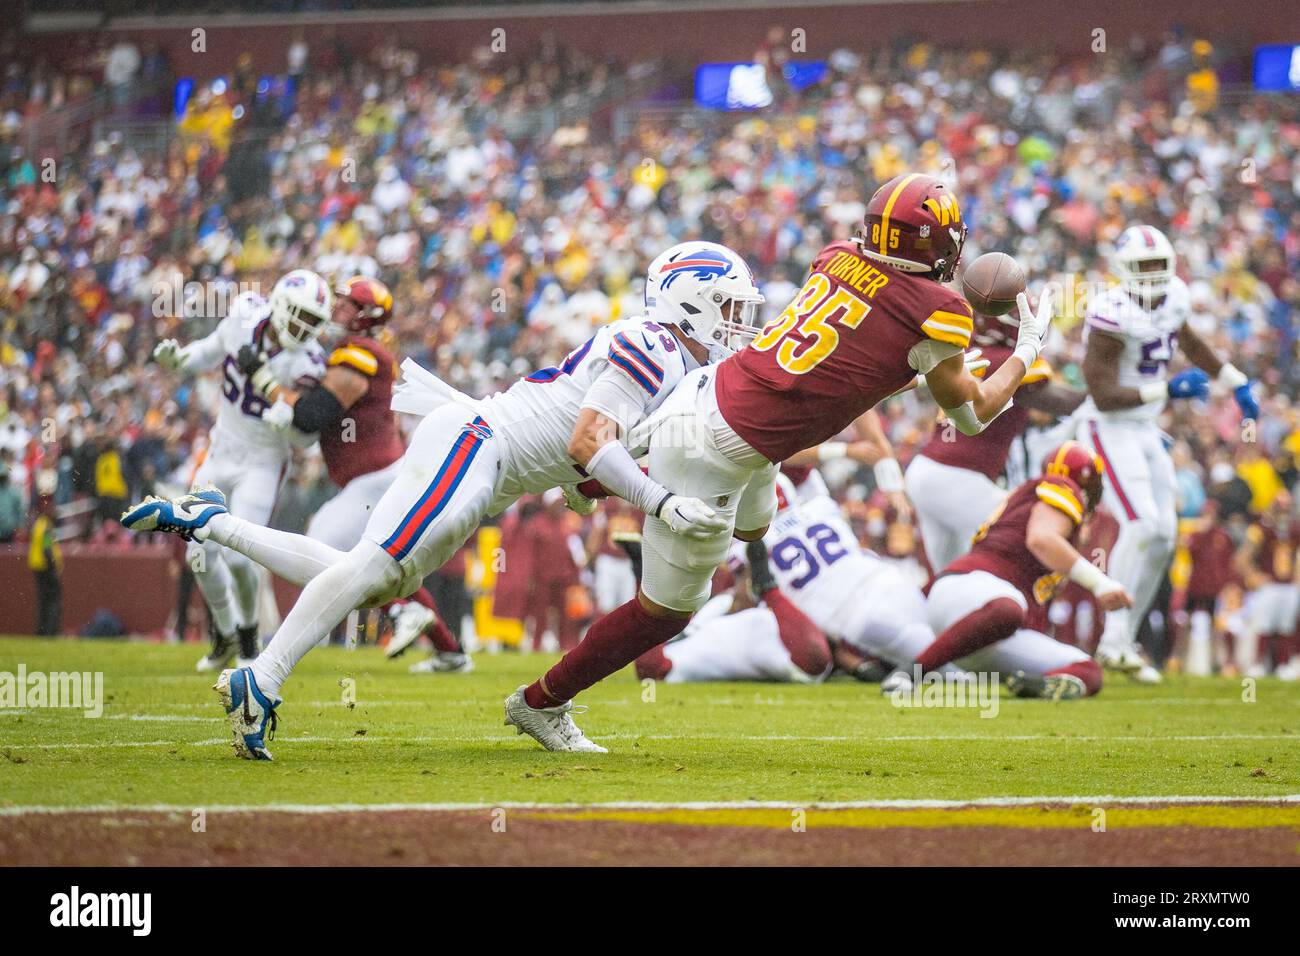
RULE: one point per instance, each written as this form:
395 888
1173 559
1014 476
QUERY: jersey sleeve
1105 316
634 354
208 351
355 357
1061 496
309 368
952 322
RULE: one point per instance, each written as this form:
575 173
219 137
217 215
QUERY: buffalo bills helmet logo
704 264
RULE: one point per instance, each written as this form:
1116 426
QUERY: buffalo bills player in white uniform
850 594
250 444
469 459
1132 334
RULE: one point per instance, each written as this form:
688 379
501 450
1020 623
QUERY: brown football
992 282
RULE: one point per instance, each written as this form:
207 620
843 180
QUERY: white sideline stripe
901 804
489 738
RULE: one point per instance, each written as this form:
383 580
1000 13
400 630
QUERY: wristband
1090 577
831 450
1153 392
1028 354
1231 377
889 476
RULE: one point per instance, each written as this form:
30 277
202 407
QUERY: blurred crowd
509 222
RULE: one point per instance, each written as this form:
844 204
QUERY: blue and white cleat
251 713
187 515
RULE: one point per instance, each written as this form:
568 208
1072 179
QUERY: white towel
420 391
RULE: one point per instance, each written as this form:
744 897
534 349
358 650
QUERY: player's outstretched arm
1199 352
1047 538
970 403
198 356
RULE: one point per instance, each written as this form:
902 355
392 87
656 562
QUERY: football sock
613 642
214 581
991 623
326 600
244 577
1088 671
294 557
653 664
1200 645
761 579
807 645
438 632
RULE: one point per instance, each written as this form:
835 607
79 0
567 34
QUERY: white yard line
649 805
812 738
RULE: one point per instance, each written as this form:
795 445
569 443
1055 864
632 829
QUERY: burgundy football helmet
914 223
362 304
1080 465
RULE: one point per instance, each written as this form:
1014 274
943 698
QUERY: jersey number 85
805 333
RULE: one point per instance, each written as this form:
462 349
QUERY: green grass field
440 739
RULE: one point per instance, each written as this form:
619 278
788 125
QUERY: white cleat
552 727
444 662
251 713
897 681
218 656
1289 671
1128 659
1146 674
186 515
409 622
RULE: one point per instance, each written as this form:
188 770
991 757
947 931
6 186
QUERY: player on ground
1132 332
250 442
952 481
873 313
860 605
752 632
1266 562
469 459
982 604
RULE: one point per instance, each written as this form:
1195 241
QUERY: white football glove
279 415
692 517
263 381
169 354
974 361
1033 328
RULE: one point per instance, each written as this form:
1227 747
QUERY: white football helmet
1143 261
301 305
708 292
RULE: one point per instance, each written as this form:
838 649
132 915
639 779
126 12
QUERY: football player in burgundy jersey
873 313
1266 562
952 481
981 603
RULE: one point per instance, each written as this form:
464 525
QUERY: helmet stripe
889 208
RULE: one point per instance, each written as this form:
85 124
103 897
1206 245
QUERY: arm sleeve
316 409
614 468
206 353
